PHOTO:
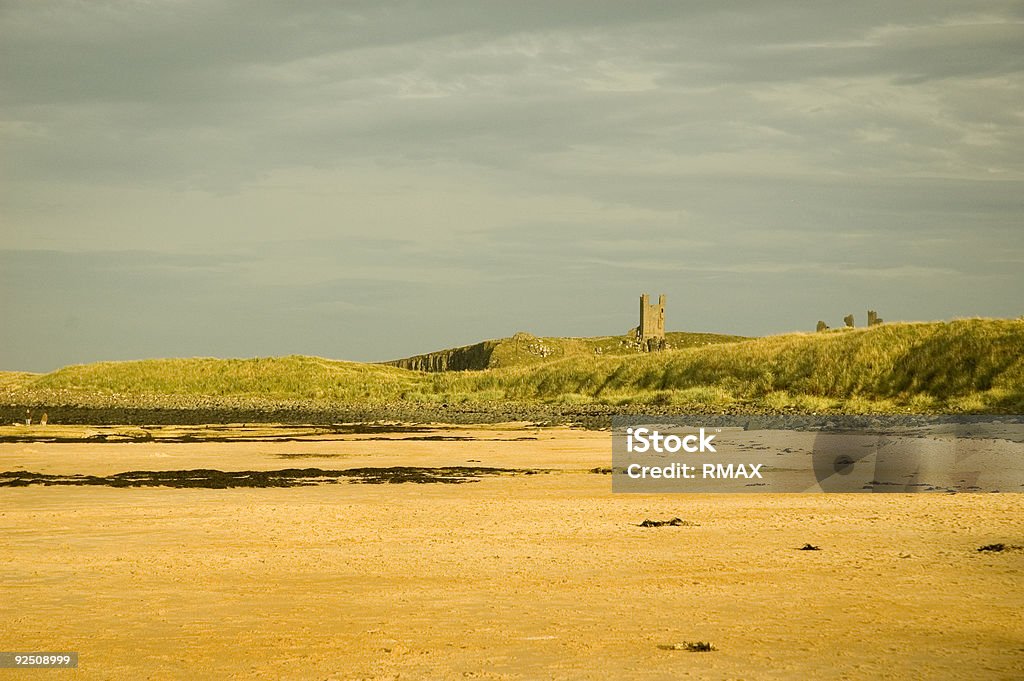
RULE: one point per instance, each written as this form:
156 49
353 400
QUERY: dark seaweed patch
999 548
690 646
288 477
675 522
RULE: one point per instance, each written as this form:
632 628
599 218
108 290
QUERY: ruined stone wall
873 320
467 358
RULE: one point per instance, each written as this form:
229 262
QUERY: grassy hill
524 348
973 365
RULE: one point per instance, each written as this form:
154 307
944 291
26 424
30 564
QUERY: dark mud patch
427 438
451 438
379 428
247 432
289 477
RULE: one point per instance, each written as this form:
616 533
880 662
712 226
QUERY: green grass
13 380
527 349
972 365
287 378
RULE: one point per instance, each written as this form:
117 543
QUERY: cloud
508 152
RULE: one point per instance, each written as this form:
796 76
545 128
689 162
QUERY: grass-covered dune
965 365
524 348
972 365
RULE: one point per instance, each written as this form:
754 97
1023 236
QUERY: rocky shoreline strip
591 417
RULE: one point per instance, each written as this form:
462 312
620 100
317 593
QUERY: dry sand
520 577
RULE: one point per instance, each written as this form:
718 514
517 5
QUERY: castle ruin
651 332
873 320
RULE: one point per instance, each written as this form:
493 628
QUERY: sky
371 180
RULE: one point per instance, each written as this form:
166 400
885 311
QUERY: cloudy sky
368 180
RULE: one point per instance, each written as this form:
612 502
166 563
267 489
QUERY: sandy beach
512 576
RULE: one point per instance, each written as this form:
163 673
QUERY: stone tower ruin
651 332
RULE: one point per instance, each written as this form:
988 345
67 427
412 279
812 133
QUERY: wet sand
505 576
